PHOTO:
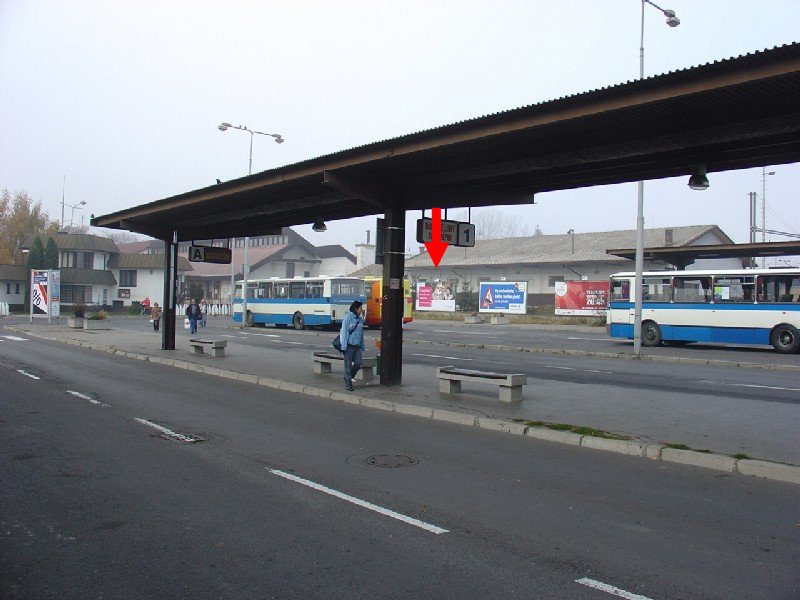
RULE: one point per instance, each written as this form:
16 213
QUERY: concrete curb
708 460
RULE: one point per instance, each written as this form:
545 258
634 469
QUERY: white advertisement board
438 296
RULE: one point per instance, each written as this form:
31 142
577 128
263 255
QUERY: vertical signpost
45 294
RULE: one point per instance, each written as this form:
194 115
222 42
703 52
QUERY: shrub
135 308
100 315
79 310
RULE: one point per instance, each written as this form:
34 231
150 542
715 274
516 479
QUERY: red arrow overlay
436 247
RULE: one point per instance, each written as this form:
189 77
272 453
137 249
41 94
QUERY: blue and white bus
299 301
743 306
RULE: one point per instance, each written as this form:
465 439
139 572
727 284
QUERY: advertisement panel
588 298
436 296
55 293
39 295
503 297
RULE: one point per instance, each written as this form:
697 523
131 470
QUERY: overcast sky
124 98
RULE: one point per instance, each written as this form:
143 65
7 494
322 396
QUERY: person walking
352 338
203 312
155 315
193 311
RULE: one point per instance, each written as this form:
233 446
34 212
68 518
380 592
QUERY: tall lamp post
672 21
278 140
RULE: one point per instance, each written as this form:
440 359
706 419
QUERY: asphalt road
99 504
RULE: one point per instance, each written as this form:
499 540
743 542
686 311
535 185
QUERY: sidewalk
708 423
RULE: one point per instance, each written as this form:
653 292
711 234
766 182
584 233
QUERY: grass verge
579 429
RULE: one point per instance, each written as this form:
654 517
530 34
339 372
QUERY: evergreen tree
51 254
36 254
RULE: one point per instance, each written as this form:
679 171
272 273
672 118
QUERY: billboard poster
39 296
438 295
588 298
503 297
55 293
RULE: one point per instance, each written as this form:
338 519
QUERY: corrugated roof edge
788 49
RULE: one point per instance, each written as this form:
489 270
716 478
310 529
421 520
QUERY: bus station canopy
681 256
737 113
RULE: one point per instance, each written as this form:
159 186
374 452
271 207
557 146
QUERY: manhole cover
391 460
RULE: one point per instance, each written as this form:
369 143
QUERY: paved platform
699 422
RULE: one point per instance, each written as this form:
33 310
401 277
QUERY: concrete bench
510 384
323 361
217 347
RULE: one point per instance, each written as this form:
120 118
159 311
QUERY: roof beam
377 194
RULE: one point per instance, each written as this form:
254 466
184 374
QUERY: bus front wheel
785 338
298 321
651 334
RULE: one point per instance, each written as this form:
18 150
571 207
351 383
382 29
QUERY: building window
127 278
8 288
306 273
289 270
69 259
17 288
88 260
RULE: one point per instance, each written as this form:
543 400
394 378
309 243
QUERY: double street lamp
79 206
278 140
672 21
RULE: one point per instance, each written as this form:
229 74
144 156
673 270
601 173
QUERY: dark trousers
155 324
352 361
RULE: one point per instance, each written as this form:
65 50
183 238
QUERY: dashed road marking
447 357
169 433
615 591
27 374
85 397
14 338
753 385
359 502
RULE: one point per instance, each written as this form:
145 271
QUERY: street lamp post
672 21
278 140
79 206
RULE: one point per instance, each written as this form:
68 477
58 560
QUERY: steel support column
169 301
393 303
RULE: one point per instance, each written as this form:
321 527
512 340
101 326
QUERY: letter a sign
196 253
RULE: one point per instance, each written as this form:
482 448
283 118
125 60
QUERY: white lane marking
599 585
167 432
753 385
447 357
562 368
288 342
27 374
465 332
581 370
14 338
271 335
85 397
605 339
359 502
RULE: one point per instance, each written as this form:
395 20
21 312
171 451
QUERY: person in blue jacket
352 338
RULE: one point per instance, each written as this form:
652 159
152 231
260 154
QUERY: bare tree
124 237
494 224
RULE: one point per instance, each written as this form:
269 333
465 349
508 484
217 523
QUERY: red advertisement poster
582 297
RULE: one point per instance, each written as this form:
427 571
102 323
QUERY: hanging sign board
210 254
454 233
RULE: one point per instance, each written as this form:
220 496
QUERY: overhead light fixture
319 226
698 181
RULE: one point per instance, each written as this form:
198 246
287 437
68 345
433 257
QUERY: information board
508 297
